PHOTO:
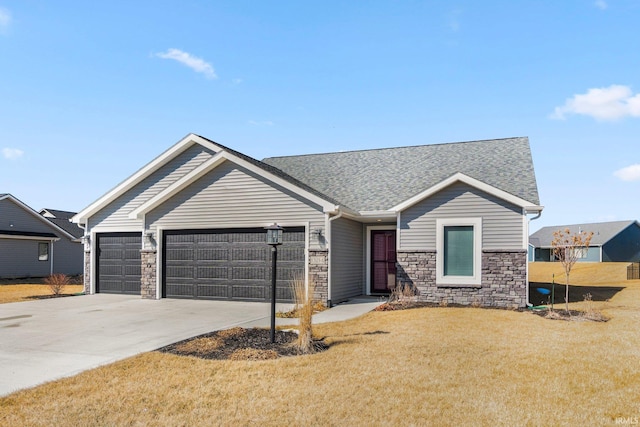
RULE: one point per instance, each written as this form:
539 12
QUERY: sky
90 92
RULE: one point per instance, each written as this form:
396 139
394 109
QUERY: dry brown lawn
429 366
587 273
29 292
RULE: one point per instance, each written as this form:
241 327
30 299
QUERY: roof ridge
622 221
399 147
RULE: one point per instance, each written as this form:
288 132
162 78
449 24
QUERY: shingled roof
602 232
371 180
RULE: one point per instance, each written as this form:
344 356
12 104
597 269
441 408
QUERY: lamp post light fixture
274 238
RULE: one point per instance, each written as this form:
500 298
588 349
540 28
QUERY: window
581 252
43 251
459 255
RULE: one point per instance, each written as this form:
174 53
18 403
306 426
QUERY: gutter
328 233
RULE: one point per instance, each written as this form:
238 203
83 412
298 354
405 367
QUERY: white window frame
474 280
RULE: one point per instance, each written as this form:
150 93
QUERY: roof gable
29 211
602 232
375 180
460 177
211 164
56 213
186 142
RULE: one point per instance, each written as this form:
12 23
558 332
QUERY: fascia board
211 164
37 215
145 171
460 177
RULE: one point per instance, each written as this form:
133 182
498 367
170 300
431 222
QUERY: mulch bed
240 344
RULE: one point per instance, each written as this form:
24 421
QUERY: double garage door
228 264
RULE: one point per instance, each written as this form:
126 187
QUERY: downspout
529 305
51 259
329 238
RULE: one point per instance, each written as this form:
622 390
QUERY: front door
383 261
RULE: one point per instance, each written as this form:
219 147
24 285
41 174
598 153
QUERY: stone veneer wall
319 274
87 272
148 273
504 279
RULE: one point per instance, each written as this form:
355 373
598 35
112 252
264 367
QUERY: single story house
33 245
448 220
617 241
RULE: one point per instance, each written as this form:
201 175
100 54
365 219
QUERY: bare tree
568 247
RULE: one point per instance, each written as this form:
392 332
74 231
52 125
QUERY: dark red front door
383 261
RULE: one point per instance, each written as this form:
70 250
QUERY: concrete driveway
49 339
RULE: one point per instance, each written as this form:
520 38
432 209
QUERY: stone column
87 272
148 273
319 274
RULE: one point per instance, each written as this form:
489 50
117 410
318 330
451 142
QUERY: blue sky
92 91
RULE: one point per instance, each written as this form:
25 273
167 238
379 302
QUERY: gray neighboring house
616 241
32 245
449 220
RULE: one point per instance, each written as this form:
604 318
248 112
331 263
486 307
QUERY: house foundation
504 279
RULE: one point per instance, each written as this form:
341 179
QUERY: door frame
370 228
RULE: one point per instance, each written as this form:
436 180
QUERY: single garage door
118 263
230 264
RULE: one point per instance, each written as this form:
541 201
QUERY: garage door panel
249 292
229 264
118 263
212 291
212 254
255 255
179 254
220 273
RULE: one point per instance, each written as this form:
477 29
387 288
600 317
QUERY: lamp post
274 238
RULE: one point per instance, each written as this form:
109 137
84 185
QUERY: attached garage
118 263
230 264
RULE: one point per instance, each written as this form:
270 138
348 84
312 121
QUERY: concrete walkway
44 340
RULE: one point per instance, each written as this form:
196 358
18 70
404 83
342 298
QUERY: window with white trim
43 251
459 251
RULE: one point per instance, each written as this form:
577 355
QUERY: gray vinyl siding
625 247
14 217
115 215
347 254
593 255
19 258
502 223
229 197
68 257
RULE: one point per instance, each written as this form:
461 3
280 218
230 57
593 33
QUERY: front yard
429 366
16 292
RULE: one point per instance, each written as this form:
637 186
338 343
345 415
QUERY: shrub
590 312
57 283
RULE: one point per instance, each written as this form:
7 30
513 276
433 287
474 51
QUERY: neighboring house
617 241
33 245
449 220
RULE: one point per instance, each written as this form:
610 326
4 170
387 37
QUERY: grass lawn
29 292
429 366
